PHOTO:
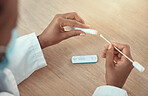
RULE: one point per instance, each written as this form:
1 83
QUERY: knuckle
59 19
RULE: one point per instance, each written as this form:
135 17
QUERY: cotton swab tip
105 38
101 35
138 66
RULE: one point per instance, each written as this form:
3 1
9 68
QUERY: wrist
44 42
116 85
41 42
116 81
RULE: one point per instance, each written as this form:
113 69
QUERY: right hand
117 66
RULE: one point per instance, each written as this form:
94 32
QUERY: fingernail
82 34
110 46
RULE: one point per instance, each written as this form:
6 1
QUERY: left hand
55 33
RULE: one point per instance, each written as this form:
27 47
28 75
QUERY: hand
55 32
117 66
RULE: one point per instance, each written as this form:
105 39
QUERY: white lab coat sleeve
108 90
8 86
5 94
27 57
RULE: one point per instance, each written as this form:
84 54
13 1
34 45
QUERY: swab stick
135 64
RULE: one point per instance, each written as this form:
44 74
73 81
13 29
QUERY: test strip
84 59
89 31
135 64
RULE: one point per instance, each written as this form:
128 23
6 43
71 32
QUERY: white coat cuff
40 60
108 90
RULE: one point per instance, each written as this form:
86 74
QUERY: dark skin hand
55 32
118 67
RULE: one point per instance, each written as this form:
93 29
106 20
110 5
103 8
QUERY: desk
124 21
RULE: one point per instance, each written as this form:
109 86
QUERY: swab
135 64
89 31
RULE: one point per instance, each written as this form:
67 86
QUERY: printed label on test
84 59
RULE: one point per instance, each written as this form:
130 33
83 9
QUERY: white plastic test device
84 59
89 31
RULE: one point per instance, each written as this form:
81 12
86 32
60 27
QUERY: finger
71 33
116 58
74 16
109 57
116 52
72 23
123 47
119 55
119 62
104 51
106 46
120 46
103 54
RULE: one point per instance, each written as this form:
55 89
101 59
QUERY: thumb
109 57
72 33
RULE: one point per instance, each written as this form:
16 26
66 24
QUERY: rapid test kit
93 58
